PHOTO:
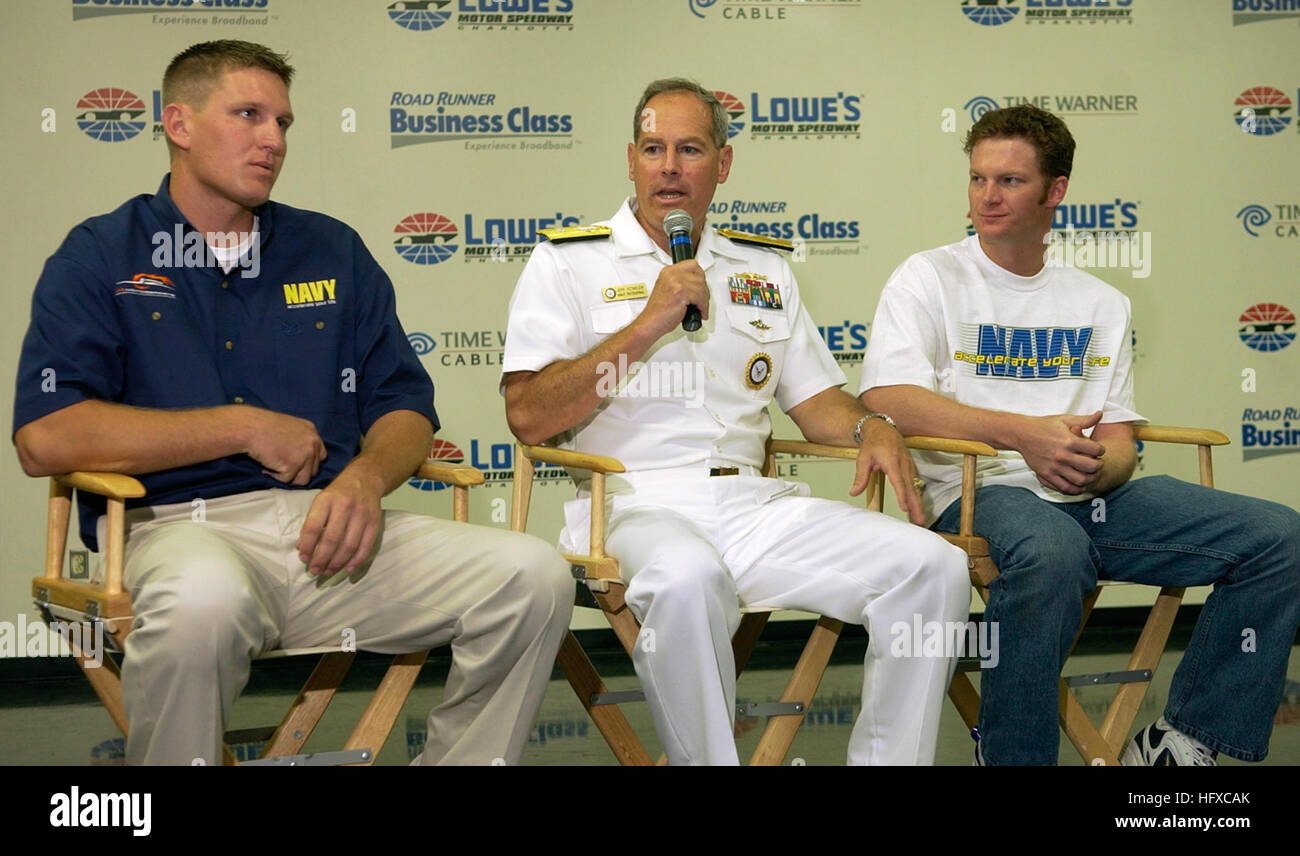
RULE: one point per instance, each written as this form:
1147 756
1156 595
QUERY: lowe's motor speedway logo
813 233
110 114
428 238
496 460
1262 111
480 120
805 117
995 13
423 15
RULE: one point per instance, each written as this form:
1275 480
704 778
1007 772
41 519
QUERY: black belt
724 471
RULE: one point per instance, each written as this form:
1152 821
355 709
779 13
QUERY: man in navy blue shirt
244 358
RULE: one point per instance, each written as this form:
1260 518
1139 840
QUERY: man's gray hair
682 84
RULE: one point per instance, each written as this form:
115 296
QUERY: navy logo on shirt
304 295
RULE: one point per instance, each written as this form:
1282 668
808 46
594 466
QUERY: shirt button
320 325
225 284
239 399
156 316
230 346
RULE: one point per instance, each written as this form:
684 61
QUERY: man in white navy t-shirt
983 340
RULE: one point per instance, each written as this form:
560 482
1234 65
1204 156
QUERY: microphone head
678 220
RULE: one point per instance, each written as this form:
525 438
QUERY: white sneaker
1160 745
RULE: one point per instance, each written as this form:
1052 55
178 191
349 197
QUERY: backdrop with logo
447 132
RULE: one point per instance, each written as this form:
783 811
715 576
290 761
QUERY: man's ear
1056 190
175 119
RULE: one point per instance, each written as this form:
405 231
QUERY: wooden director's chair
105 607
1102 746
599 586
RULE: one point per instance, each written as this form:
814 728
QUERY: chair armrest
452 474
1170 434
577 460
932 444
111 485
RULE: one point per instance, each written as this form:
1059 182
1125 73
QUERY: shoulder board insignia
575 233
756 240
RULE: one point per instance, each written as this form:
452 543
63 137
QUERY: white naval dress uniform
694 548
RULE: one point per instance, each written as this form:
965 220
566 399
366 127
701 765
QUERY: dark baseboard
1111 629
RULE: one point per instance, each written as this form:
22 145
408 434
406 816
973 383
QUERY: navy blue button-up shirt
131 309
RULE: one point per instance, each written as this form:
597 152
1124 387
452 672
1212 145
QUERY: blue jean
1155 530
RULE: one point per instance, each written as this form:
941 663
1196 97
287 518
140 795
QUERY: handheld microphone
677 226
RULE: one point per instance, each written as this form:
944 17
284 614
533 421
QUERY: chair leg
609 719
377 722
965 699
106 679
1124 707
742 644
780 731
310 705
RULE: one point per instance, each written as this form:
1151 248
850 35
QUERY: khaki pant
210 594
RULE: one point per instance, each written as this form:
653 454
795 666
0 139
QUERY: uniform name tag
751 289
624 292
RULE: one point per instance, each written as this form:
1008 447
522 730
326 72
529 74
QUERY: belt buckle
724 471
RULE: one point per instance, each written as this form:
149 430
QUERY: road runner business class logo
822 234
479 120
1257 11
181 12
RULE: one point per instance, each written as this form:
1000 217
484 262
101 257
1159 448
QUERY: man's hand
678 286
342 524
344 521
289 449
1056 450
884 450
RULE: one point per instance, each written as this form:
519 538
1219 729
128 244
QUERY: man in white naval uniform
597 359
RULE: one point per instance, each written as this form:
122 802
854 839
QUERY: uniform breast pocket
609 318
758 340
313 368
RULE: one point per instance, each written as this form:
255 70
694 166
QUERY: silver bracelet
870 414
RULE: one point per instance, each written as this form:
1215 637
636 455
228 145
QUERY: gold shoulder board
575 233
756 240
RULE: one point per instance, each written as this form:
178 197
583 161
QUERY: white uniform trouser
209 595
694 549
